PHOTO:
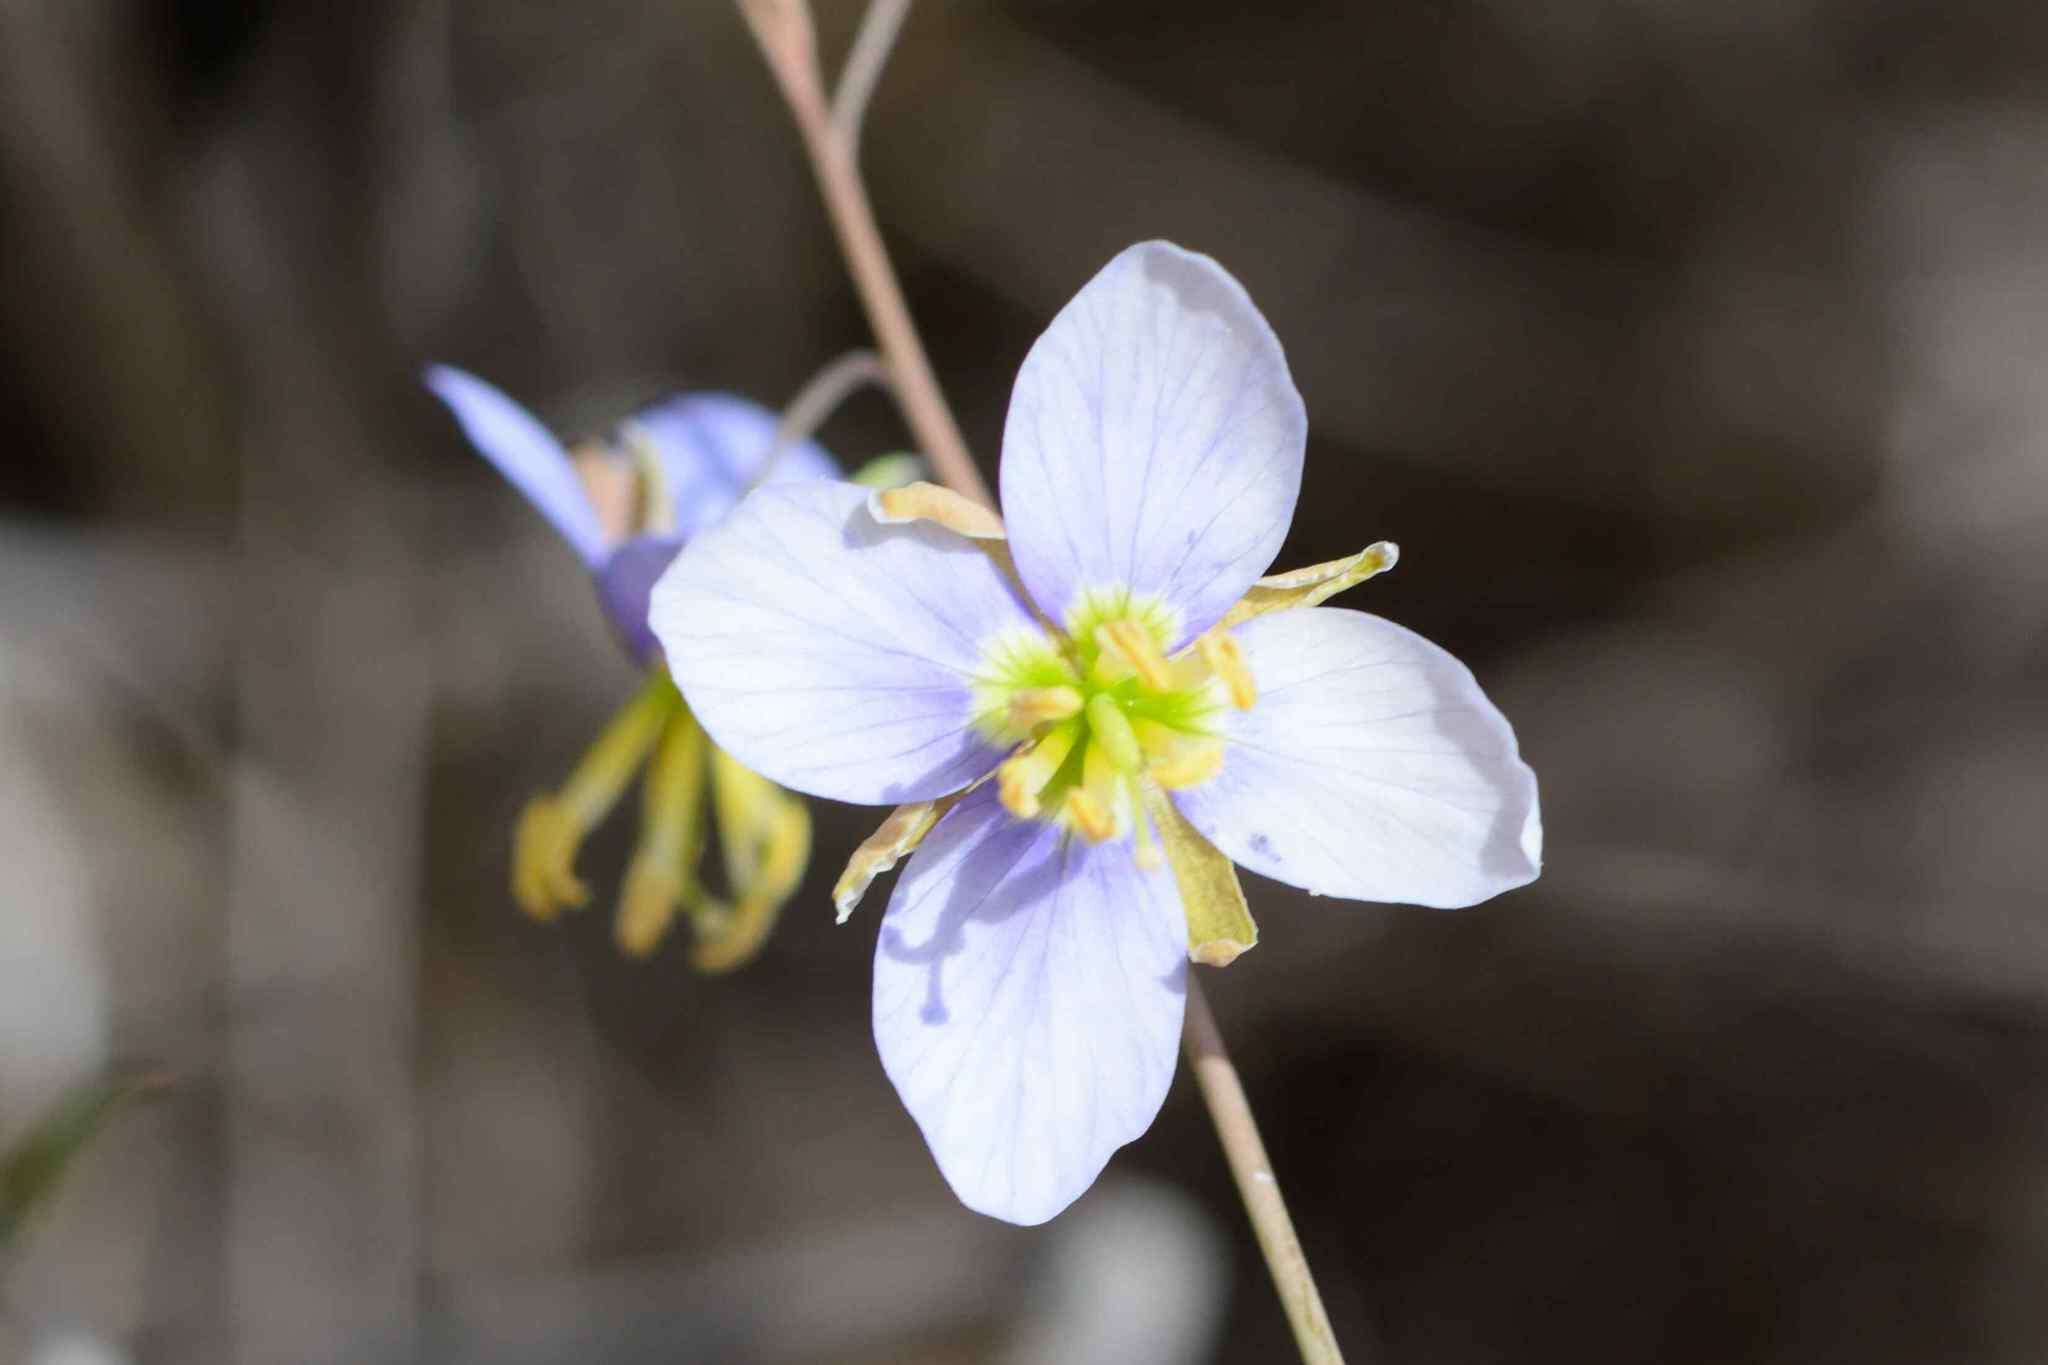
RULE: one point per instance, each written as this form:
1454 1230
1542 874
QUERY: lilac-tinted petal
526 453
625 585
1028 994
713 446
1154 440
1372 768
832 654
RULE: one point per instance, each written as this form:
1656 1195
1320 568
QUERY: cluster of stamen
1099 710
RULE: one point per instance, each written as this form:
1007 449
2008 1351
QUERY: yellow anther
544 845
1225 658
1190 765
1090 816
1113 733
1031 707
1132 644
1023 775
1017 787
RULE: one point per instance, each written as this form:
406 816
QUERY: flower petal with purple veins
713 447
1154 441
526 453
1371 768
832 654
1028 996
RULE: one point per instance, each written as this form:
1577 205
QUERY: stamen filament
660 879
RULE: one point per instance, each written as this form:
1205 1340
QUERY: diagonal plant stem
784 31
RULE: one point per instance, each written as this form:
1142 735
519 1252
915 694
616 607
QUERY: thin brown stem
818 399
864 66
783 29
1256 1185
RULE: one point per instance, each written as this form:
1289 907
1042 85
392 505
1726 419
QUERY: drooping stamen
552 827
661 879
1225 658
765 836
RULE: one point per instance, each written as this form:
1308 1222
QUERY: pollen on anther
1132 643
1016 789
1033 706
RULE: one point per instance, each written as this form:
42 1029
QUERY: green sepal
1311 586
895 840
1220 924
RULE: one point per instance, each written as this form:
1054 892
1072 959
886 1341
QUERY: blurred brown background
1692 351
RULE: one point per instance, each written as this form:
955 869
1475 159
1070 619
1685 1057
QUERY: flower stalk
1256 1185
784 31
787 38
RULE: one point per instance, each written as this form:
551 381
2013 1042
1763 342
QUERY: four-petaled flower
1090 709
626 507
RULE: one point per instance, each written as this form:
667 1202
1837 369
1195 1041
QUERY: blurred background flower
1689 351
626 507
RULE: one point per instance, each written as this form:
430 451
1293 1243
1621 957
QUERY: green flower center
1096 710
